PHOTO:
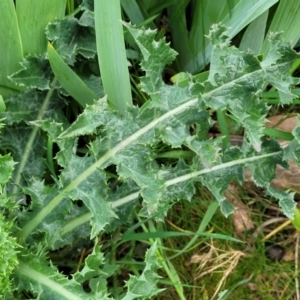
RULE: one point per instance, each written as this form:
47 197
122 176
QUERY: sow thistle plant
40 214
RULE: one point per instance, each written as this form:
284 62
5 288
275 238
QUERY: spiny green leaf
124 212
242 74
27 106
157 54
181 190
277 65
236 80
127 144
36 73
15 140
6 168
92 190
208 151
296 131
218 181
47 282
131 158
145 286
50 227
96 271
286 200
292 151
228 64
264 171
69 38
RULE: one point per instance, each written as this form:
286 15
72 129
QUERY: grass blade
133 11
157 6
112 54
235 18
32 29
10 48
69 80
286 19
212 208
254 35
180 36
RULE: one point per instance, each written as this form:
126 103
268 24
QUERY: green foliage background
78 157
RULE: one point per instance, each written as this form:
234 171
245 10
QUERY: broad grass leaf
71 83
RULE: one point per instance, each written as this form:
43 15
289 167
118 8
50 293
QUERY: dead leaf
241 217
287 179
282 122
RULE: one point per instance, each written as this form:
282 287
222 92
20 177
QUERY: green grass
252 261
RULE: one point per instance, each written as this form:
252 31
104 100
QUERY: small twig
277 229
265 224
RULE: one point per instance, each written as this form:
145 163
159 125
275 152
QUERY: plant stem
27 271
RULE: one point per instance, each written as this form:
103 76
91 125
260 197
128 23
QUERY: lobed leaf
277 65
6 168
174 117
36 73
96 271
50 229
46 282
144 286
69 39
26 107
156 55
235 81
15 140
